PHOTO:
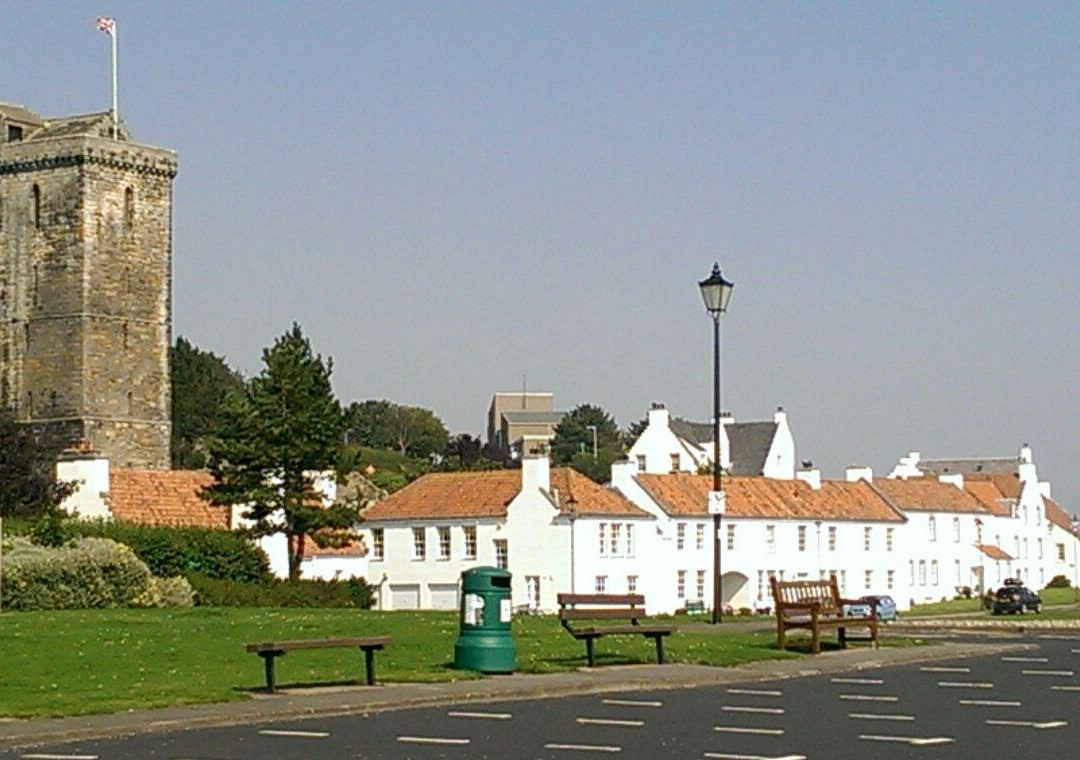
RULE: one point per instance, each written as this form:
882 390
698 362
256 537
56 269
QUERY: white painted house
765 447
553 529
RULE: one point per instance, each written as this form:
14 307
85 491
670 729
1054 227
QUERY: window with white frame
680 536
760 584
444 541
933 572
616 539
868 579
1038 514
888 539
1042 576
956 566
1060 549
629 539
680 584
832 538
802 538
470 541
731 536
699 536
631 584
843 580
890 579
641 463
770 539
922 572
700 584
603 539
502 553
911 572
1025 548
866 539
674 462
956 530
419 544
931 526
998 563
378 544
601 584
1016 541
1039 547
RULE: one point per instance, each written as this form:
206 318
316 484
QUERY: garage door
405 597
443 596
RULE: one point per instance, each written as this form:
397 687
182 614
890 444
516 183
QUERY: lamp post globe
716 292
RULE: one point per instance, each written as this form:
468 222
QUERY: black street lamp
716 292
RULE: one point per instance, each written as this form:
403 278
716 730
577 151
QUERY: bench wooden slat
286 646
814 605
619 629
624 599
622 613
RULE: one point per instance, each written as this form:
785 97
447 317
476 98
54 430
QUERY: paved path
691 701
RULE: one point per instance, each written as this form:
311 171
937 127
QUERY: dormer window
14 133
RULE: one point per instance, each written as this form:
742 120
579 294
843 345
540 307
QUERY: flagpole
115 107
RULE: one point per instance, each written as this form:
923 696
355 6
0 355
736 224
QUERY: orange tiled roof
686 494
450 494
928 494
994 552
164 497
587 497
989 495
1058 516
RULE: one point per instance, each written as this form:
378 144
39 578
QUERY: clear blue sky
447 196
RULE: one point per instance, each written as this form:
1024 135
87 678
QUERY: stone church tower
85 283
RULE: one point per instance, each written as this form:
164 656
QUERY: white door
443 596
405 597
532 591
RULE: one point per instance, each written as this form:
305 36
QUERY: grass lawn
1049 596
95 661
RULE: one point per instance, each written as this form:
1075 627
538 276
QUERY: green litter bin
485 642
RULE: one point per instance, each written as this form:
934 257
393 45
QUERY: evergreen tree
201 381
27 485
573 442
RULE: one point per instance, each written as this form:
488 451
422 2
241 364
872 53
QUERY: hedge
211 592
86 573
171 551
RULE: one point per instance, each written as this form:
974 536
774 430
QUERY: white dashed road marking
746 730
585 747
59 757
1025 659
1059 637
480 715
989 703
879 716
872 681
728 756
432 740
914 741
763 710
868 698
965 684
1057 687
757 692
1060 673
610 722
943 669
1029 723
296 734
632 703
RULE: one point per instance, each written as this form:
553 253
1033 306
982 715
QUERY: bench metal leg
369 665
268 661
843 637
589 652
659 649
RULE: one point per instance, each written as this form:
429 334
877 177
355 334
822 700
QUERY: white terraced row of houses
928 530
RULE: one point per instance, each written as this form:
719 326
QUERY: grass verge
98 661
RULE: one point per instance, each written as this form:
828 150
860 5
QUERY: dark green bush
211 592
1058 581
172 551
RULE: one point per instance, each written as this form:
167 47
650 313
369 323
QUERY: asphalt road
1024 705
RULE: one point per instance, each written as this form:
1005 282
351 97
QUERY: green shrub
1058 581
211 592
172 551
167 592
87 573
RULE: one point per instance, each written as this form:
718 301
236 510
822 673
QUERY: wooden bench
271 650
815 605
627 607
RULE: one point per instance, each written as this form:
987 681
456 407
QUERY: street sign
717 503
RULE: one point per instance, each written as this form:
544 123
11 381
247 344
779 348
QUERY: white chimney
659 416
622 472
535 473
811 477
855 473
779 415
1027 465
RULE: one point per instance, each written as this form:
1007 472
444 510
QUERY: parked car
884 607
1016 600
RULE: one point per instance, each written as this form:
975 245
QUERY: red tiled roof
928 494
587 497
993 552
989 495
164 497
686 494
1058 516
450 494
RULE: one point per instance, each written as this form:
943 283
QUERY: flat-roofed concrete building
521 423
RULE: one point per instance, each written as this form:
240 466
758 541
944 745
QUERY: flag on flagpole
107 25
